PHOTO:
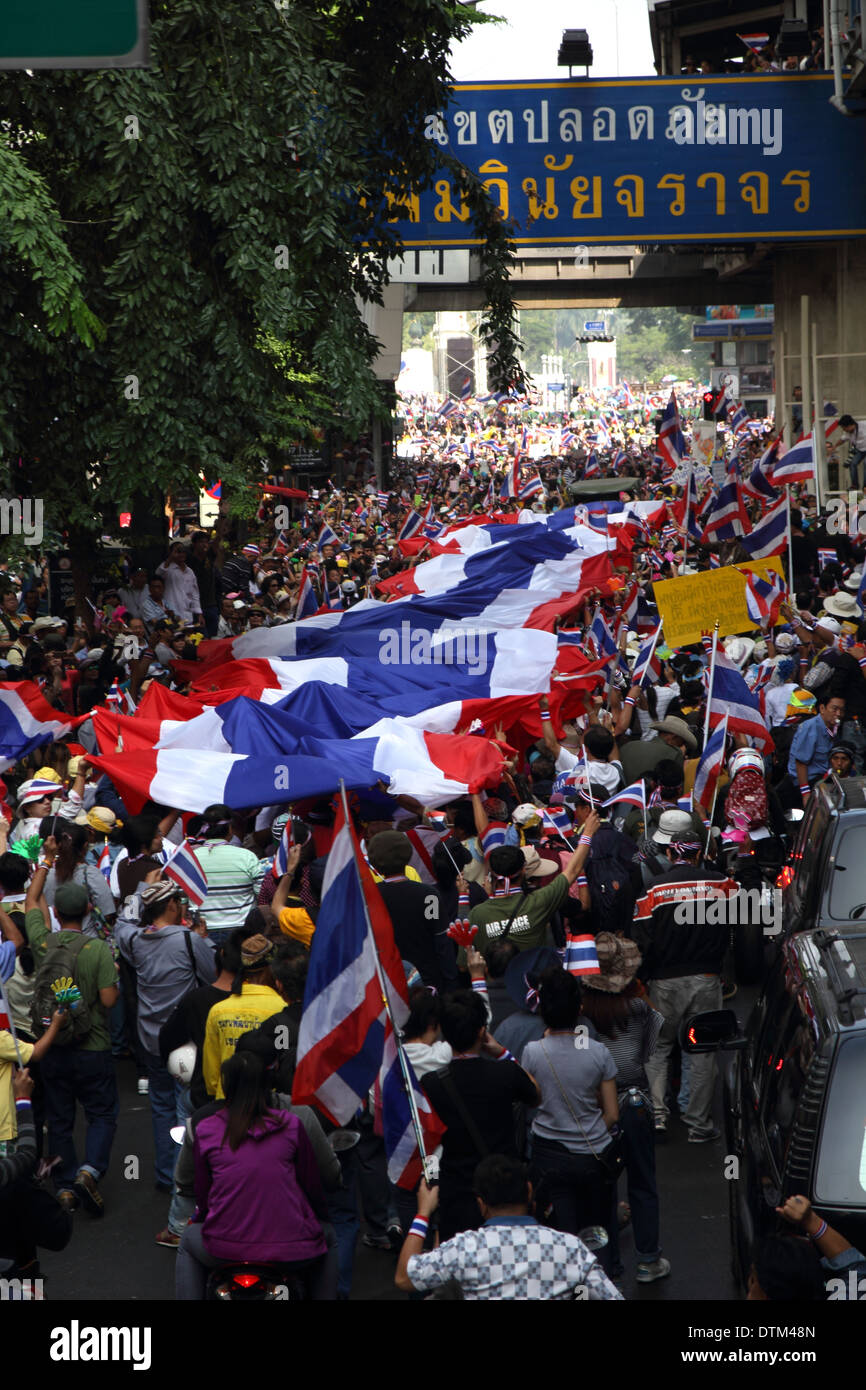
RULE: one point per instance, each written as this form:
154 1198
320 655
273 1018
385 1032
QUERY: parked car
795 1087
824 881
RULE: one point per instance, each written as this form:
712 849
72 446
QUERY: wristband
862 663
629 699
545 714
585 840
582 881
804 791
816 1235
419 1226
505 1056
480 986
462 900
23 1100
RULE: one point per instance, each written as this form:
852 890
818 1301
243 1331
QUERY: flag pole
588 782
545 815
651 655
715 794
386 999
710 683
4 1008
790 543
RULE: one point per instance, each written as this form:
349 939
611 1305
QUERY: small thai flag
103 864
287 839
493 837
559 818
188 873
634 795
827 556
438 820
383 498
581 957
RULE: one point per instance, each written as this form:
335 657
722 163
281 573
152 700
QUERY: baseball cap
71 900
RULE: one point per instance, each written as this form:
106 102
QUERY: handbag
612 1157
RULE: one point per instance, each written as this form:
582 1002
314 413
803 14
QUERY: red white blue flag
188 873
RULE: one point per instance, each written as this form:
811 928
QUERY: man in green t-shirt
530 912
84 1071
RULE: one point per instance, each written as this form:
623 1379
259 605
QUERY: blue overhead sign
593 326
762 157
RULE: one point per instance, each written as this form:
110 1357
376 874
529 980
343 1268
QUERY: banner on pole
691 604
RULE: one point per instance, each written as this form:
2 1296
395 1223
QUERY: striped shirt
234 876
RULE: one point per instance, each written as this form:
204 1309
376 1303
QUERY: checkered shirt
515 1259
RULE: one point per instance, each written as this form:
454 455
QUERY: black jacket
672 948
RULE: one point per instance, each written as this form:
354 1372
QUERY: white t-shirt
607 775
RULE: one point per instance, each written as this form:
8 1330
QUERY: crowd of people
547 973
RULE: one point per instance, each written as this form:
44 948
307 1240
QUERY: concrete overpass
611 277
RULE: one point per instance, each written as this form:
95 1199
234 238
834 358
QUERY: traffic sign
55 34
593 326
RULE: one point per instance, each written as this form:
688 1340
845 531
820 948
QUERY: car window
787 1064
847 898
807 854
840 1175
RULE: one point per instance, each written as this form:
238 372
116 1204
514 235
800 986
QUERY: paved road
117 1258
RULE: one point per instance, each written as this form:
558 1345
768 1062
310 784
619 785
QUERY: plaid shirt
513 1257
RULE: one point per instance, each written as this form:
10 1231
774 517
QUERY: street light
575 50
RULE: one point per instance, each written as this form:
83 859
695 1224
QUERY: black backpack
59 970
609 878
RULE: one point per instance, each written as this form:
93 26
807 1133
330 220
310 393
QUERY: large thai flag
353 958
27 721
405 1166
710 766
184 868
731 698
770 536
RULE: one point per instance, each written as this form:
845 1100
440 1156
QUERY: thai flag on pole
770 537
759 481
671 447
412 524
647 666
722 403
531 487
728 517
827 555
184 868
103 863
764 597
581 957
739 418
710 766
511 485
620 459
601 636
591 469
308 603
466 388
341 1043
327 537
287 839
754 41
558 818
634 795
447 408
383 498
405 1166
797 465
602 434
27 721
730 697
627 396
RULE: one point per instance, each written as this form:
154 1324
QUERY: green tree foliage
194 305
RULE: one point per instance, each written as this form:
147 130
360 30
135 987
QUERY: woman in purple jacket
258 1192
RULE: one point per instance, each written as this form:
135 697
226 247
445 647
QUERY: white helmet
744 757
182 1061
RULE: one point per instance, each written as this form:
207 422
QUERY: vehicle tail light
785 877
246 1281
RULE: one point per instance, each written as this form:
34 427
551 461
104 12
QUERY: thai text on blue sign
648 160
593 326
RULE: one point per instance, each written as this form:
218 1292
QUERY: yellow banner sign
692 603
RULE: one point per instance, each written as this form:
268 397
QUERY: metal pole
805 363
790 545
782 417
836 46
386 999
819 439
710 682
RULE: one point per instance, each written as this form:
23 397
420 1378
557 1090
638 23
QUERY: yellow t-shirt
227 1021
8 1122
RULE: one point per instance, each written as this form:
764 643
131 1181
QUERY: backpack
609 879
59 970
